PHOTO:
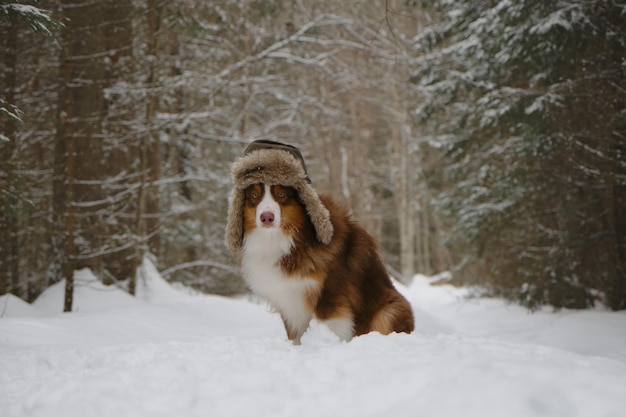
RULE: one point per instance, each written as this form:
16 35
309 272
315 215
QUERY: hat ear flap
318 213
234 223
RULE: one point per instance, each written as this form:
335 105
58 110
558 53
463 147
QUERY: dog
307 256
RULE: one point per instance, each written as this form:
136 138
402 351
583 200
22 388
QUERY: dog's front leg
296 330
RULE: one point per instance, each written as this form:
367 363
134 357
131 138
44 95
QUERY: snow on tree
525 103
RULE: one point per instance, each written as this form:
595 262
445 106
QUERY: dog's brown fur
352 281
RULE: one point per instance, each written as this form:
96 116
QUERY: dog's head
270 179
264 205
274 209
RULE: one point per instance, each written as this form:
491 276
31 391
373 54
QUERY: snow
12 306
170 351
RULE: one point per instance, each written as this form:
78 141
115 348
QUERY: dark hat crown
279 146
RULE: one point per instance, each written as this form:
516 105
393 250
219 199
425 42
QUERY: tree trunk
9 196
153 155
146 219
118 147
70 247
404 197
78 156
401 132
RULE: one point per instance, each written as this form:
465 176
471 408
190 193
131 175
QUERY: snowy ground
172 353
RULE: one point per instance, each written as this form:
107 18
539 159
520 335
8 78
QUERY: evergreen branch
38 19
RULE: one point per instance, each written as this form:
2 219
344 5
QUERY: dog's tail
395 316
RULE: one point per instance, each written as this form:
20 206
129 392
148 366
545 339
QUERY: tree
15 203
95 38
524 105
77 137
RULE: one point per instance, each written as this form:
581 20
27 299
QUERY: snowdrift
173 352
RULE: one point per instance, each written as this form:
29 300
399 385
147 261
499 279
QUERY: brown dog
305 255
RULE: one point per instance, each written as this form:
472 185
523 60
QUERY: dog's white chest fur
263 249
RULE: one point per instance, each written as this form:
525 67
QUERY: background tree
21 26
525 104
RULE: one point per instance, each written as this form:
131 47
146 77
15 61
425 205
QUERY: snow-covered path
171 353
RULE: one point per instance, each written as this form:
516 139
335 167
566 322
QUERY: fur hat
273 163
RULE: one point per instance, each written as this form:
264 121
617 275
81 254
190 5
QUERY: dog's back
356 278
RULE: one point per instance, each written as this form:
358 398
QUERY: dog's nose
267 218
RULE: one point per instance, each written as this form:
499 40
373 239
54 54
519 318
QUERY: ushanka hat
273 163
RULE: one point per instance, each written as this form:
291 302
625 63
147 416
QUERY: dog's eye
255 195
281 194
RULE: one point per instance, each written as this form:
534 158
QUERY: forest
484 138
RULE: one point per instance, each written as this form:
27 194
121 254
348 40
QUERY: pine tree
525 103
15 202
